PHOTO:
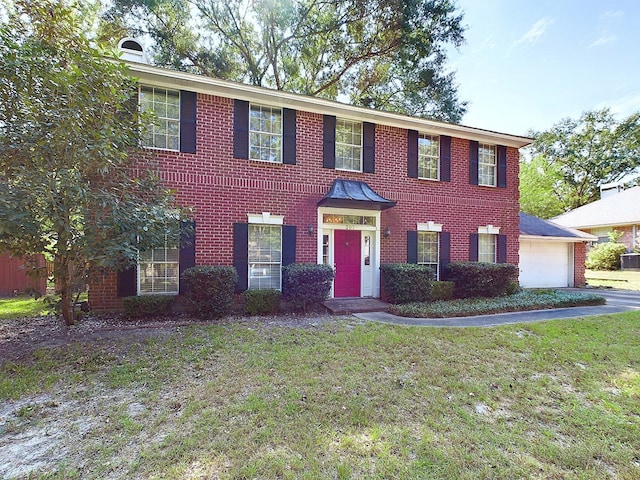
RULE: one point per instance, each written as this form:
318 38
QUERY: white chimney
132 50
610 189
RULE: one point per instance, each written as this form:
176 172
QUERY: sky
527 64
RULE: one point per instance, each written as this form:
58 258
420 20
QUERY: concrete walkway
617 301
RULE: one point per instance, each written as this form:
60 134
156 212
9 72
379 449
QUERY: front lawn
620 279
522 301
337 399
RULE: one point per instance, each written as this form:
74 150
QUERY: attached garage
548 253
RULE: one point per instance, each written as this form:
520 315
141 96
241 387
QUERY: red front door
346 252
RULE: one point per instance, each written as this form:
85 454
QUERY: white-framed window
487 247
164 132
429 157
265 133
265 256
429 251
348 145
159 269
487 165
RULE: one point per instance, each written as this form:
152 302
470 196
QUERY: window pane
265 256
348 145
165 106
265 133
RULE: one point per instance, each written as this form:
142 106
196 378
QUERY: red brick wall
223 190
579 257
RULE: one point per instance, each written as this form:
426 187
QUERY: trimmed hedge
406 282
478 279
209 290
147 305
306 284
441 291
521 301
261 302
605 256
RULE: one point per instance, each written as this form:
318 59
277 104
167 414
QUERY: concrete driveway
617 301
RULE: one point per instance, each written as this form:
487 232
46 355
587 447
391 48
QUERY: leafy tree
68 187
541 188
376 53
580 155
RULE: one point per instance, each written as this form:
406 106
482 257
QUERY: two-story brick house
275 178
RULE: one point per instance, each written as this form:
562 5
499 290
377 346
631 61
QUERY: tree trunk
63 287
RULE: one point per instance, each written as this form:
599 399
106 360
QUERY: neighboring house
15 277
616 211
275 178
551 255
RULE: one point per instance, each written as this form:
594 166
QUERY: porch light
310 229
387 232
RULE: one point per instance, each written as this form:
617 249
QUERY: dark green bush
261 302
208 290
306 284
478 279
147 305
406 282
605 256
441 291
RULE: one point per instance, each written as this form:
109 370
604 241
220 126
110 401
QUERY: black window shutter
502 249
188 113
445 251
288 245
329 141
187 256
412 153
241 254
288 136
445 158
369 150
412 246
241 129
473 162
502 166
473 247
128 282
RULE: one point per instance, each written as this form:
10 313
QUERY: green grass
623 280
555 399
15 307
522 301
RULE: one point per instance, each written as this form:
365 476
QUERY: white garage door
546 264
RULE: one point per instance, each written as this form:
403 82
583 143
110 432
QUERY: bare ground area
39 432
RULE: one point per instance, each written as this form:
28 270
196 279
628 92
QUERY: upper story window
428 157
348 145
487 165
164 132
265 134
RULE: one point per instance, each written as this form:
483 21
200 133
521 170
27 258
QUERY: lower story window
265 257
486 248
159 269
428 251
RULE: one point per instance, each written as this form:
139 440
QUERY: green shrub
261 302
306 284
605 256
208 290
406 282
147 305
478 279
441 291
